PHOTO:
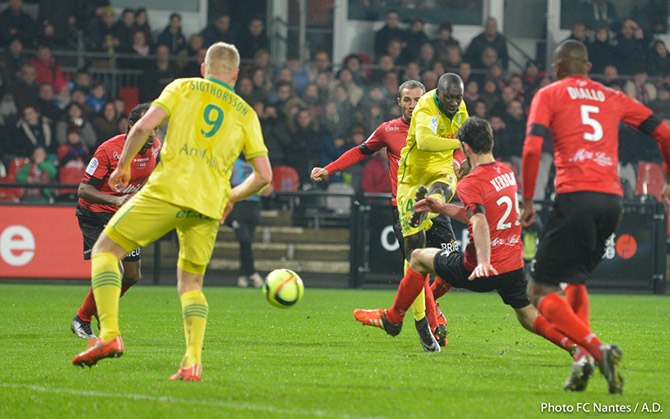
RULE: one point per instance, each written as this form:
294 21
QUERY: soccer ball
283 288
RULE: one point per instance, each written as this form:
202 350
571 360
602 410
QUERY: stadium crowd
310 112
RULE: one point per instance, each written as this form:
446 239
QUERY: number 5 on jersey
213 116
586 111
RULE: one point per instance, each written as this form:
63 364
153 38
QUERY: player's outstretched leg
378 318
609 367
195 310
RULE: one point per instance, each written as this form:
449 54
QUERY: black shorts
511 286
91 225
574 237
440 235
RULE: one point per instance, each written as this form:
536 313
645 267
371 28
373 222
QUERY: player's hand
666 196
429 204
119 179
120 200
226 212
527 216
482 270
319 174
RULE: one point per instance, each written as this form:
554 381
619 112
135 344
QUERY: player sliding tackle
583 118
189 191
493 260
425 169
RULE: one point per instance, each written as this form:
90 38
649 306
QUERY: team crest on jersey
116 156
92 165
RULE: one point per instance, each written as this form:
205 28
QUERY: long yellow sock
419 305
106 284
195 309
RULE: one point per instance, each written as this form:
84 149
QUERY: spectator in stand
464 70
496 74
471 93
60 15
82 80
578 32
261 84
87 15
416 37
515 123
142 24
12 61
275 133
304 151
388 32
157 75
123 124
429 79
15 23
282 93
640 88
95 100
63 97
443 40
352 62
73 153
479 109
262 61
489 94
426 57
252 39
79 97
611 76
412 71
120 108
219 30
661 105
244 87
601 51
125 28
195 43
332 149
312 100
33 131
25 89
531 75
453 58
192 68
8 110
46 105
172 35
489 38
385 65
658 62
38 171
516 83
74 116
354 91
140 49
375 177
394 50
601 12
299 75
507 95
654 16
320 64
631 47
106 37
488 58
334 124
106 122
48 70
500 142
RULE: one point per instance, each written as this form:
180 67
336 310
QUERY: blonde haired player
426 169
188 191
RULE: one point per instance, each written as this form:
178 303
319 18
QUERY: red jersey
583 117
392 135
491 189
105 160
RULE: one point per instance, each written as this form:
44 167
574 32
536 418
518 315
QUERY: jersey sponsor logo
589 94
155 151
391 128
199 153
600 158
92 165
433 124
141 165
513 240
145 159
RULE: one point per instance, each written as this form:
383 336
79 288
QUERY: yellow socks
195 309
106 284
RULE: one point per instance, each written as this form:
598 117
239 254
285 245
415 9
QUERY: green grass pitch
313 360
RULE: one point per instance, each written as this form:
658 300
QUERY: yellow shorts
145 219
405 198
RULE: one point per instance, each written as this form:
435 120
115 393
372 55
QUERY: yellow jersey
209 126
418 166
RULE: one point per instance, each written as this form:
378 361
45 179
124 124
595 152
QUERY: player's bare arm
482 239
261 176
318 174
93 195
433 205
527 216
135 140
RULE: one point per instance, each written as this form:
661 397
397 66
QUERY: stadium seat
69 176
649 179
285 178
10 194
16 164
130 95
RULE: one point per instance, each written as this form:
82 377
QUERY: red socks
88 308
440 287
543 328
561 316
410 287
431 313
578 299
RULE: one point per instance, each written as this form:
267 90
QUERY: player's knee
417 262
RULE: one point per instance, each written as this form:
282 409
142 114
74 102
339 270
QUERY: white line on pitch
230 405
